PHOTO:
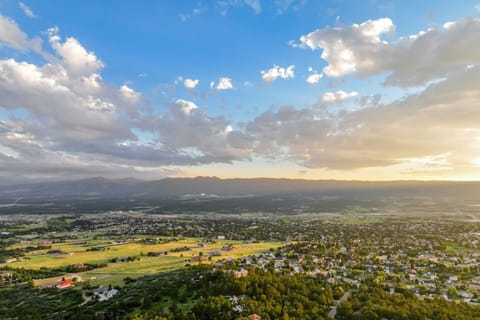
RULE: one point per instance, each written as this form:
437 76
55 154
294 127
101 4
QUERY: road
333 312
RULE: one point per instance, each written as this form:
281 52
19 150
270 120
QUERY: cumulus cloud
189 131
63 111
362 50
76 59
224 83
331 97
28 12
340 45
190 84
38 161
77 125
129 95
441 120
314 77
278 72
12 36
186 106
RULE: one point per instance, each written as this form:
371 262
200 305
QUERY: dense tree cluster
10 275
371 302
269 294
82 267
24 302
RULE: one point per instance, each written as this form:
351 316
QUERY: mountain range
212 186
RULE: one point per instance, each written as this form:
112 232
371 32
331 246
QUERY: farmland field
75 252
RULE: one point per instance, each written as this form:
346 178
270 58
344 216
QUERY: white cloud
12 36
80 125
28 12
97 104
186 106
200 138
278 72
315 77
224 83
92 82
224 5
61 109
331 97
76 59
416 60
339 44
255 5
129 95
190 84
438 122
448 25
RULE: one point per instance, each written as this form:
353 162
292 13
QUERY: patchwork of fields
74 252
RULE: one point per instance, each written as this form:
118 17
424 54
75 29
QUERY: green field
114 273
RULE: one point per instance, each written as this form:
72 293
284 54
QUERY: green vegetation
182 268
113 273
31 303
372 302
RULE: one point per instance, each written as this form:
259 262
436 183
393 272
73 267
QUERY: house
476 280
99 291
241 273
5 275
111 293
64 284
156 253
122 259
199 258
215 254
466 296
103 293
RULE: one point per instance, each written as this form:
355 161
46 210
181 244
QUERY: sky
331 89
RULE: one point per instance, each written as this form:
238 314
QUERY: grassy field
452 246
114 273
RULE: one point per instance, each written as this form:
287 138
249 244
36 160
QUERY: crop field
75 252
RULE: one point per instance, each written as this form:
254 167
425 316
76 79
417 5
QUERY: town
100 256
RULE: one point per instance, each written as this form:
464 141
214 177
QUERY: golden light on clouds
60 117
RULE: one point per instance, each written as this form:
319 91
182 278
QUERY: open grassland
114 273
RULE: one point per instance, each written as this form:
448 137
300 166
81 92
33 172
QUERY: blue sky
153 47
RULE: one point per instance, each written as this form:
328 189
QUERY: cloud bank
75 124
